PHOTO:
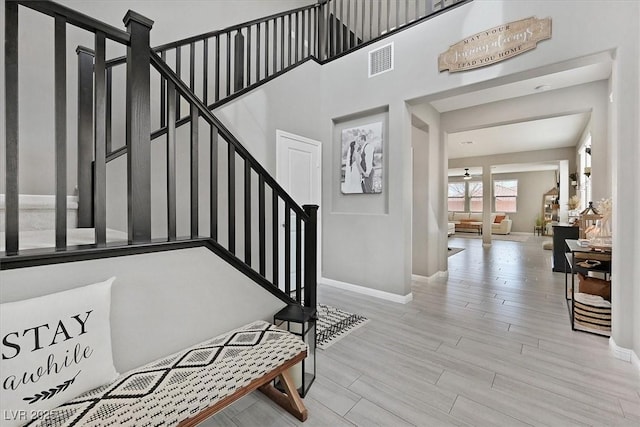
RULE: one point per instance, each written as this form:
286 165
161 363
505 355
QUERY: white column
564 190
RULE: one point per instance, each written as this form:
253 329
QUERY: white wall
346 90
166 300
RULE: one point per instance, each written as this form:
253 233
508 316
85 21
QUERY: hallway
491 345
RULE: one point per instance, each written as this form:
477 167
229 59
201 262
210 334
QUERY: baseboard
429 279
402 299
626 354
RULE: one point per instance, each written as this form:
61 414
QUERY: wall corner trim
626 354
402 299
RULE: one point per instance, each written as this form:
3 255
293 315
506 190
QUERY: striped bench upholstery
180 386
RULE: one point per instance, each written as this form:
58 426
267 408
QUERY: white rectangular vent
381 60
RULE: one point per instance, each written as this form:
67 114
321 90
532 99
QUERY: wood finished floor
489 346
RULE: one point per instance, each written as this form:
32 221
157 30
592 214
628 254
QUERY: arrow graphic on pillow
48 394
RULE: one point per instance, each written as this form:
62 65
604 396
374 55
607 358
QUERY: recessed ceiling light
466 142
542 88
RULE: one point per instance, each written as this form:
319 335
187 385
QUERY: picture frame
362 158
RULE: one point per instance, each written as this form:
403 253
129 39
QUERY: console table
573 268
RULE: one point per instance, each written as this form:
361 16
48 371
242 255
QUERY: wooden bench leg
290 400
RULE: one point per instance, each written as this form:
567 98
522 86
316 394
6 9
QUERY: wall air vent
381 60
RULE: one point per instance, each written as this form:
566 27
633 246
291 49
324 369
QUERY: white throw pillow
54 347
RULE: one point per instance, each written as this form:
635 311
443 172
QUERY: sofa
472 222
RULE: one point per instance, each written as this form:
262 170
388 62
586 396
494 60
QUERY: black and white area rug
453 251
334 324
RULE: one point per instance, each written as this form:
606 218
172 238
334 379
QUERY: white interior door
299 172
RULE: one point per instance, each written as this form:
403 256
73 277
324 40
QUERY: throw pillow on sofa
54 348
499 219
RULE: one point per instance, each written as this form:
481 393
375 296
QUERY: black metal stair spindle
205 71
258 47
231 188
171 161
194 171
298 258
247 212
275 230
85 137
178 70
60 76
261 226
213 184
216 80
287 248
248 55
163 97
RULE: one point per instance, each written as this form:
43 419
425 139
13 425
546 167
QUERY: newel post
138 134
311 256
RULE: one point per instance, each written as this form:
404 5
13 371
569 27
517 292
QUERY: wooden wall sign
495 44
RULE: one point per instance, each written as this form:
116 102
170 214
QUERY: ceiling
543 134
531 135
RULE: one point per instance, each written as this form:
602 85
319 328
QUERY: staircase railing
292 270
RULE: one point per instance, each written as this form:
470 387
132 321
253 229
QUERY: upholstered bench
190 386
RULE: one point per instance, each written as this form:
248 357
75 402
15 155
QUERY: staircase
175 85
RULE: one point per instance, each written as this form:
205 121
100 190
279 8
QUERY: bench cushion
179 386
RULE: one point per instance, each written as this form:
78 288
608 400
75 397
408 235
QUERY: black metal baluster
194 171
228 63
216 81
261 226
85 137
60 77
287 248
266 49
348 26
238 62
334 30
289 36
298 257
406 11
109 111
303 33
362 18
231 182
100 162
247 212
205 71
192 66
171 161
249 56
163 97
282 42
275 46
275 230
213 184
258 47
297 37
11 127
178 70
371 21
339 24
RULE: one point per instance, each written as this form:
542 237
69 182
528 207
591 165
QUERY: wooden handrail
78 19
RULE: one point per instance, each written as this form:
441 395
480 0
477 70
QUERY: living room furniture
472 222
588 312
562 232
451 228
537 230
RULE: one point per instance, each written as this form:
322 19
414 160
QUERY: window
456 197
506 194
475 196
